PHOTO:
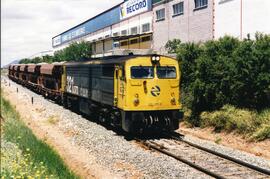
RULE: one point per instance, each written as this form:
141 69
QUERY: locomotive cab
147 92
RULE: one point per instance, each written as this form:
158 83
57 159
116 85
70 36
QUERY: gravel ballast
241 155
117 154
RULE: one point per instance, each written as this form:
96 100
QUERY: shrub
172 45
25 61
243 121
262 133
225 71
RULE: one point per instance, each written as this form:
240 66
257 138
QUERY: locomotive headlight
173 101
136 100
155 59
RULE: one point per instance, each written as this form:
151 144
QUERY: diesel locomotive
135 92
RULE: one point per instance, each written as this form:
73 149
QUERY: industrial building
241 17
149 24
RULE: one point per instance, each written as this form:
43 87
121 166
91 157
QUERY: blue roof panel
106 19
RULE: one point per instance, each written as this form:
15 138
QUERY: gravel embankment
120 156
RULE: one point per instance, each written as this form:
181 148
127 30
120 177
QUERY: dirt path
261 149
77 158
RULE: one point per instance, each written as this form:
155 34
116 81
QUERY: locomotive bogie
143 121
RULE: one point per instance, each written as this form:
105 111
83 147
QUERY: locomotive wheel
102 119
64 102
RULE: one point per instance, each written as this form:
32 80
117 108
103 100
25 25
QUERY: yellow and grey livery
137 93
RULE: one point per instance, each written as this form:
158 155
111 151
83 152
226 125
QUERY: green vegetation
218 140
18 164
23 155
225 72
74 52
46 59
253 125
173 45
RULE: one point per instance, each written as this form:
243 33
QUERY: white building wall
227 18
241 17
192 26
256 16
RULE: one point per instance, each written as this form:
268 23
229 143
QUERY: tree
78 51
25 61
47 59
59 56
172 45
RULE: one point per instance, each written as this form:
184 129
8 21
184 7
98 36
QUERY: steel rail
240 162
191 164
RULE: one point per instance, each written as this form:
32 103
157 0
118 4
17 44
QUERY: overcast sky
29 25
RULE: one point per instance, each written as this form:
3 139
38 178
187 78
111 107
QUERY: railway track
210 162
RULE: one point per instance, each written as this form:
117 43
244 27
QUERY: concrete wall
241 17
193 25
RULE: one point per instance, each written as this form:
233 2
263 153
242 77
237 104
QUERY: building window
115 34
200 4
156 1
124 32
178 9
145 27
123 43
146 39
134 41
223 1
134 30
160 14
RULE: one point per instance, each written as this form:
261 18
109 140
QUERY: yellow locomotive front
148 93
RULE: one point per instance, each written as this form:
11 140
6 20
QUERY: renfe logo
133 7
155 91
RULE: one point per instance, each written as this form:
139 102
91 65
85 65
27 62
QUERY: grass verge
253 125
25 156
